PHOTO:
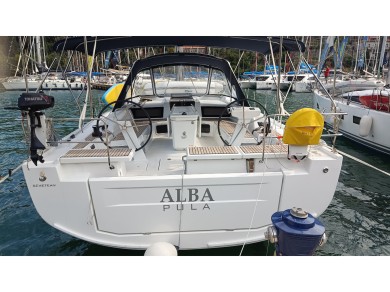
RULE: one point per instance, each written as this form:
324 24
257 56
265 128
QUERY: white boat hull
248 84
264 85
343 86
283 86
302 87
185 162
33 85
350 124
200 203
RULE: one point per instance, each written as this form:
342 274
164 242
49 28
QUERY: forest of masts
247 61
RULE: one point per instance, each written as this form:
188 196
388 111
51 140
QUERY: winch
295 232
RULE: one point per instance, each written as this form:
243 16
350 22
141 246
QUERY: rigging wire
239 60
279 104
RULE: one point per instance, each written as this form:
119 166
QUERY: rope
11 172
362 162
255 208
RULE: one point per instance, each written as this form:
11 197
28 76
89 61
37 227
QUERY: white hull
264 82
301 82
248 84
283 86
138 202
264 85
350 126
168 174
33 85
343 86
302 87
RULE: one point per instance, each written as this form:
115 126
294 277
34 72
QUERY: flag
328 47
340 56
90 63
362 52
107 59
385 59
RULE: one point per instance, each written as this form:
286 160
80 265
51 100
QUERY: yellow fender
304 127
112 93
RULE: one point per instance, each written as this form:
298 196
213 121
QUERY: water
357 220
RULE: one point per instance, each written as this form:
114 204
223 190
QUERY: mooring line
10 172
362 162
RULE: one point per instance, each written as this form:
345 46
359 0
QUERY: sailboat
190 162
366 119
55 81
366 104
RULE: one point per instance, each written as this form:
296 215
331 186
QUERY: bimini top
180 59
259 44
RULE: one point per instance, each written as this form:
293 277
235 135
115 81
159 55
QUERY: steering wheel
244 125
129 104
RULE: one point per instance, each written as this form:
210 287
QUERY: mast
280 105
128 56
21 47
34 68
256 62
319 53
38 52
23 61
376 56
364 53
357 55
388 73
88 95
383 49
279 69
44 62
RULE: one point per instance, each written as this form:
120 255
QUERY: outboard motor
295 233
33 103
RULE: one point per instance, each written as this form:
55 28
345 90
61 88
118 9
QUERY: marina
178 144
356 219
36 255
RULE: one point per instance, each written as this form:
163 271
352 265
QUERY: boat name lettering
193 196
44 185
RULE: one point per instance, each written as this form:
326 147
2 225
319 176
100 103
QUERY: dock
101 86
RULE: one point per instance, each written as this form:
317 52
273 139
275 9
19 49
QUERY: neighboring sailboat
55 81
377 100
366 104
